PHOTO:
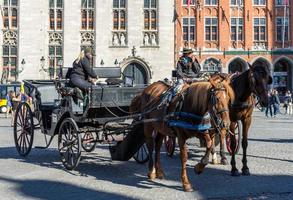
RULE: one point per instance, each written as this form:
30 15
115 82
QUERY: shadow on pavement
213 183
52 190
276 140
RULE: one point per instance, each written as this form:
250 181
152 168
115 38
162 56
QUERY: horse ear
270 81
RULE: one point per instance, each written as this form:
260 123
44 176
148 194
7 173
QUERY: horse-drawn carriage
102 116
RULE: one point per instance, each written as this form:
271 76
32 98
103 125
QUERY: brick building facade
264 30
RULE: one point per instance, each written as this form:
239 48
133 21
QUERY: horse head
259 79
222 96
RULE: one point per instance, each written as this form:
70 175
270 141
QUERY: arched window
211 65
137 72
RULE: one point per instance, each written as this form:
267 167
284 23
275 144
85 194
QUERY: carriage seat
111 74
46 96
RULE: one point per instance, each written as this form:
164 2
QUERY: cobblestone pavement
42 176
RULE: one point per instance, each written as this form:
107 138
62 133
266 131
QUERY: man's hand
93 80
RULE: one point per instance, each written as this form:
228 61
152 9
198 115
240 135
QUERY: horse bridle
215 113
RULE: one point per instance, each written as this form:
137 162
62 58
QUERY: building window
211 2
10 14
185 2
259 2
188 28
55 60
259 26
56 14
119 14
282 2
236 26
87 14
150 14
211 29
282 28
236 2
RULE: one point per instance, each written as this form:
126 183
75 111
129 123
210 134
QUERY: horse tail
135 105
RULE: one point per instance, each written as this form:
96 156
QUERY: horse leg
205 160
183 155
158 144
213 150
246 124
234 170
222 147
150 145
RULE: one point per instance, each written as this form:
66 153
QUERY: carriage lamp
116 62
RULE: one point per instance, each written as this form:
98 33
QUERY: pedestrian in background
270 104
8 103
288 103
276 102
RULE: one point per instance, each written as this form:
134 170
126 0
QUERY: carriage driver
83 75
187 66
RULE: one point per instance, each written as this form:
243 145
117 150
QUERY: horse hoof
245 172
160 175
215 162
235 173
152 176
224 161
199 168
188 188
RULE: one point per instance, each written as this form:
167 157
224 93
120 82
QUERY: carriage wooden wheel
238 135
23 129
89 141
69 143
142 155
170 143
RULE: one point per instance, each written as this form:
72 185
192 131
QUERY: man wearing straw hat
187 66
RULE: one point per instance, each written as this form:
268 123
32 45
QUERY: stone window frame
189 25
287 29
88 15
56 15
211 29
240 31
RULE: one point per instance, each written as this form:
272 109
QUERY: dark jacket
186 68
83 69
275 99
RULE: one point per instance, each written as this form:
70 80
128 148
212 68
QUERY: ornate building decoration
55 38
10 37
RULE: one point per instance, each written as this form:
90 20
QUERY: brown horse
199 99
253 81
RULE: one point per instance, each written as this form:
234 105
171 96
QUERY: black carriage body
103 103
